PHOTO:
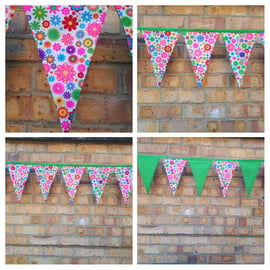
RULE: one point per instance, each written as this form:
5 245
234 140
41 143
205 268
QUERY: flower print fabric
160 45
200 46
72 177
225 170
174 169
262 37
99 177
124 177
45 176
9 13
66 38
125 14
239 47
18 174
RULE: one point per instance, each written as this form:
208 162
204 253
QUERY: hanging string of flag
72 174
200 43
174 167
66 37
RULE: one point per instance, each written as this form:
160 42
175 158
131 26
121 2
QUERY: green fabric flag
200 169
250 170
147 166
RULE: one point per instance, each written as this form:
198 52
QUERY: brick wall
206 229
178 105
57 232
105 100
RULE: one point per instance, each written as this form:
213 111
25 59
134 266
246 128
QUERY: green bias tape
74 165
200 30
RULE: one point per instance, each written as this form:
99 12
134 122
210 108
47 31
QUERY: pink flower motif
93 29
53 10
70 104
230 47
57 47
47 68
28 8
67 39
65 11
81 68
65 73
65 125
81 51
58 88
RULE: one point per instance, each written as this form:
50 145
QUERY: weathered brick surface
209 229
57 232
219 106
105 101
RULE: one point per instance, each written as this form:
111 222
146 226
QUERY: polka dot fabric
125 14
18 174
160 45
45 176
239 47
200 47
174 169
66 38
99 177
9 13
72 177
225 170
262 37
124 177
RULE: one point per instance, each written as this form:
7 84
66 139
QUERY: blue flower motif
70 86
86 16
55 20
61 57
72 170
51 78
87 62
200 38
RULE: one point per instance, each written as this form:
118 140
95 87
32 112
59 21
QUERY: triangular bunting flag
125 14
66 38
9 12
262 37
250 170
225 170
147 166
160 45
45 176
200 46
174 168
72 177
200 169
124 176
18 174
99 177
239 47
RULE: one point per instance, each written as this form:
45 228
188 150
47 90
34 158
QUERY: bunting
200 46
160 45
66 37
200 167
72 178
18 174
124 176
125 14
174 168
9 13
239 47
99 177
45 176
225 170
262 37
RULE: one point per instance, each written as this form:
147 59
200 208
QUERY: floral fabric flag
66 38
124 176
99 177
225 170
125 14
262 37
9 13
160 45
18 174
239 47
45 176
200 46
174 169
72 177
